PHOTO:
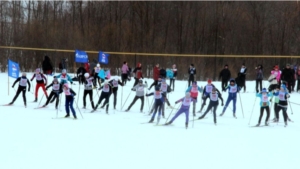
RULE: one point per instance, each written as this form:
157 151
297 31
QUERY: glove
133 89
222 104
176 102
71 82
12 86
287 96
270 100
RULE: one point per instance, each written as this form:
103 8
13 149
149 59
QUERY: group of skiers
281 84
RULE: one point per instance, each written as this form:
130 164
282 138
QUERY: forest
167 27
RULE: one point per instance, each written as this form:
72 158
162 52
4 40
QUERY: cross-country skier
156 75
214 97
264 105
193 90
192 74
185 108
69 100
233 89
105 94
206 91
140 92
159 99
88 89
115 82
23 81
56 90
64 77
283 95
96 77
41 81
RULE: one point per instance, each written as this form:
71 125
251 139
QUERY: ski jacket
264 99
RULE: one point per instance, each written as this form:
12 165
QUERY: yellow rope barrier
151 54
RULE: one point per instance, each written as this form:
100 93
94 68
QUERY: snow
32 139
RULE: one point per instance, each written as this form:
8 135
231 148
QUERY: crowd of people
92 76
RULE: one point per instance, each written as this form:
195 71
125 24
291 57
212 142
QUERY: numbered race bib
67 92
281 96
63 77
194 89
89 82
164 87
38 77
97 69
157 95
141 89
233 89
115 83
105 88
23 82
208 89
55 87
275 73
264 98
186 102
214 97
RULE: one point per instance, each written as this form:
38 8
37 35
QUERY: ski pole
78 94
252 111
78 108
126 100
242 105
121 98
171 113
290 106
41 100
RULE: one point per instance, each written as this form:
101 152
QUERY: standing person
206 91
288 76
225 76
47 66
277 73
192 74
124 75
96 75
185 108
115 82
41 81
264 105
214 97
172 80
105 94
138 73
69 100
80 74
64 77
283 95
163 72
298 79
93 64
259 78
193 90
233 89
159 99
156 74
56 90
23 81
140 92
88 89
63 64
242 75
87 67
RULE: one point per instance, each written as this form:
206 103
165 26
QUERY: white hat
98 65
86 75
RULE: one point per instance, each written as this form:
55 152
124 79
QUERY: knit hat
38 70
157 88
209 81
163 80
283 86
288 65
66 85
86 75
23 74
55 80
264 90
140 81
194 83
64 71
232 80
214 89
192 65
226 65
98 65
187 94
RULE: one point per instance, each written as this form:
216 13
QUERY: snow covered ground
32 139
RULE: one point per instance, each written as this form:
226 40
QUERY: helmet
232 80
86 75
64 71
209 81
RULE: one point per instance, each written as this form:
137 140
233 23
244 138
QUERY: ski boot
35 100
266 123
151 121
75 117
186 125
141 111
127 110
285 123
67 115
25 104
234 115
201 117
257 125
222 114
11 103
170 122
83 107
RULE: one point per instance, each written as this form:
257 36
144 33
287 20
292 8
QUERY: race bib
115 83
209 89
214 97
281 96
157 95
186 102
38 77
141 89
23 82
233 89
264 98
164 87
67 92
55 87
105 88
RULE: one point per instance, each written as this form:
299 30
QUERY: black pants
298 85
172 82
90 93
124 78
115 93
135 99
262 113
136 81
191 80
258 82
106 102
212 105
154 84
272 87
224 84
81 79
97 79
53 95
20 89
284 113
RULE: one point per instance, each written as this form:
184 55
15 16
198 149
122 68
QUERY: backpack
60 66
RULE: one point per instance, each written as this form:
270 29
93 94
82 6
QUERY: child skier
39 82
185 107
193 90
69 100
23 81
233 89
56 90
158 103
88 89
206 91
64 77
283 95
105 94
140 90
115 83
214 97
264 105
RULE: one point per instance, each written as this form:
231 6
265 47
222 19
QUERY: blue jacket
262 103
231 92
101 74
170 73
65 79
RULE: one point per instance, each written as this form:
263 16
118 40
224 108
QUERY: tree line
217 27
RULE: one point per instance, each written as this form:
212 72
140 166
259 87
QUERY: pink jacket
277 74
124 69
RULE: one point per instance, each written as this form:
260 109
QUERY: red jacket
87 67
155 73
